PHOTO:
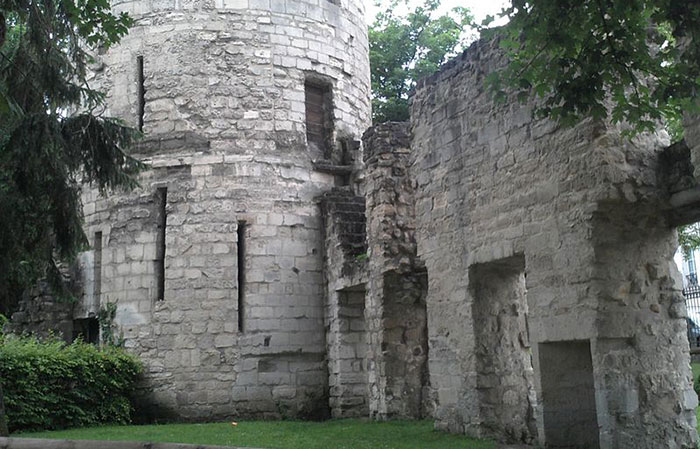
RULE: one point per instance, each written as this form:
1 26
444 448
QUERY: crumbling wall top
386 138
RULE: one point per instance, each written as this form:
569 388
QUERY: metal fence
692 302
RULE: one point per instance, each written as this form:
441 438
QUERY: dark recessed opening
241 274
162 201
319 118
141 91
87 329
568 394
97 265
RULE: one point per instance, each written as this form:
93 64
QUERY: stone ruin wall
40 313
225 134
397 284
517 280
554 312
376 311
345 275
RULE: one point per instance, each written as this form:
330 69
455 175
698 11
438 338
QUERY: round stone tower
250 110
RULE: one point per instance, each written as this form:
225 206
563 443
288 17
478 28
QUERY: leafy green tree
633 61
405 48
52 137
689 238
4 431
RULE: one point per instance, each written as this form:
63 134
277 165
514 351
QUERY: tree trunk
4 432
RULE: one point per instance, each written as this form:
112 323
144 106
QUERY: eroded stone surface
474 266
396 308
584 208
225 134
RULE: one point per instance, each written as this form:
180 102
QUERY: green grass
696 370
337 434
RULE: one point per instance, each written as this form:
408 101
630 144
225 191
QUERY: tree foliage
633 61
52 135
689 238
405 48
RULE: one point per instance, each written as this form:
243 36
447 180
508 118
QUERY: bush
51 385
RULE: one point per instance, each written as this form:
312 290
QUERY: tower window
97 265
241 275
141 91
162 199
319 116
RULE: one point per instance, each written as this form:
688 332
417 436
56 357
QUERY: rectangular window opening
97 266
162 199
141 90
319 117
241 274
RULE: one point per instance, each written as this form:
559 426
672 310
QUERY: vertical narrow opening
162 198
319 117
97 265
141 90
241 275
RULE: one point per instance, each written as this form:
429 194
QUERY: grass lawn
337 434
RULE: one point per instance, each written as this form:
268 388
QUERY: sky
479 8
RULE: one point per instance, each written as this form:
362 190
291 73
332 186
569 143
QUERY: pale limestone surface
584 210
225 133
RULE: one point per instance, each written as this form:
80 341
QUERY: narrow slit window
141 90
241 275
97 265
162 199
319 120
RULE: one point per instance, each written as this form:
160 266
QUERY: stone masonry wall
395 308
504 373
583 208
225 134
229 75
41 314
345 273
691 125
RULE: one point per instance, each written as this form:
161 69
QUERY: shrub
51 385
